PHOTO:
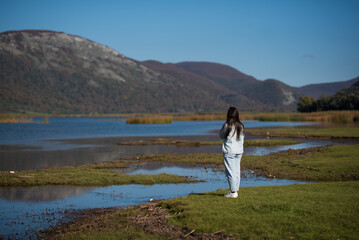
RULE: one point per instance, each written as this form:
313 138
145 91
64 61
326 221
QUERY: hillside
345 99
324 89
250 93
45 71
54 72
269 92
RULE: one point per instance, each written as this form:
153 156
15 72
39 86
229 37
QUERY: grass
14 118
324 210
185 143
101 224
269 142
311 211
314 133
150 120
331 163
145 118
90 175
327 117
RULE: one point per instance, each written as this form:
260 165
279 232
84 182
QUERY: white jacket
231 144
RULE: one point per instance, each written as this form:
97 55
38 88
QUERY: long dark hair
233 121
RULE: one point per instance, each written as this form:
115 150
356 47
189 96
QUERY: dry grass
146 118
326 117
150 120
185 143
14 118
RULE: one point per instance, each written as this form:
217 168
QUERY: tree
307 104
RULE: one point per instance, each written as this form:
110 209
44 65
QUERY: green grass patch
90 175
310 211
331 163
185 143
269 142
313 133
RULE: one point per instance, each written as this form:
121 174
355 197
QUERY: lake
77 141
36 133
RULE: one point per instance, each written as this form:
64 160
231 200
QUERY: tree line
345 99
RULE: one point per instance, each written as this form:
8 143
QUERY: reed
339 117
185 143
46 120
327 117
150 120
200 117
342 132
14 118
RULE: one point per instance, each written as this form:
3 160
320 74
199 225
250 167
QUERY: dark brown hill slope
45 71
324 89
54 72
269 95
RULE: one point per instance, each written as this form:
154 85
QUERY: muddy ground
148 217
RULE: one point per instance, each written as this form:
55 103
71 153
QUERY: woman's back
231 142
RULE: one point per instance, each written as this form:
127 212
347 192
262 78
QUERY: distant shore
151 118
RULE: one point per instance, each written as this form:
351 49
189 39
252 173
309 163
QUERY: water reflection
89 127
107 150
24 211
42 194
261 151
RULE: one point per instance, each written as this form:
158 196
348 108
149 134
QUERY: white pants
232 163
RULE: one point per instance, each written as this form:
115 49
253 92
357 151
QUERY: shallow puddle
107 150
24 211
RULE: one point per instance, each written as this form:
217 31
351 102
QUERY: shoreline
83 151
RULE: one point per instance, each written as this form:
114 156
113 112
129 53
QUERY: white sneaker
231 195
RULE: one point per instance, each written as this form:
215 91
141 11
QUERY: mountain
46 71
273 93
345 99
54 72
246 91
324 89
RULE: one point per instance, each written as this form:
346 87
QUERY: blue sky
298 42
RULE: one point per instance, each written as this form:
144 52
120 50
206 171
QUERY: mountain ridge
325 89
55 72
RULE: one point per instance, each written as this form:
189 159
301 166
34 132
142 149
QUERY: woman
232 149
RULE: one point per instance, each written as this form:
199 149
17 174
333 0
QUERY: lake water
23 212
76 141
36 133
